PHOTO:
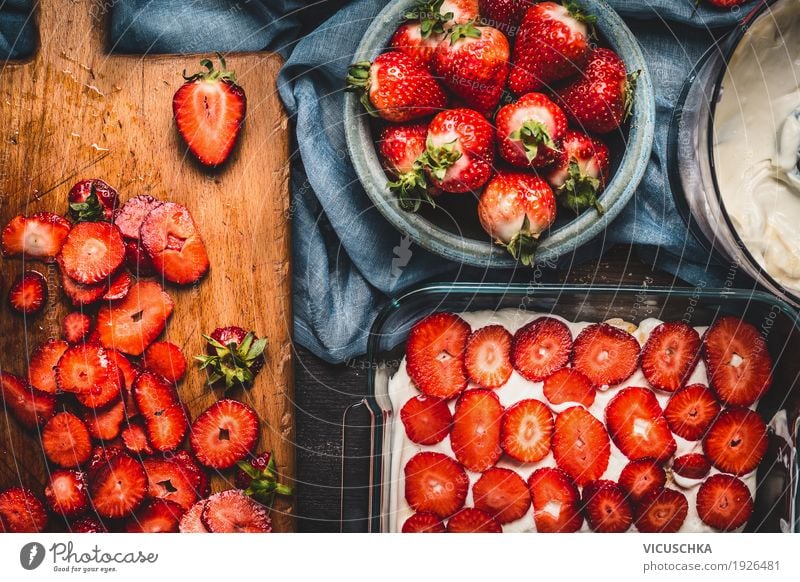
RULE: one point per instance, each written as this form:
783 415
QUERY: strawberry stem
212 74
411 189
533 134
630 91
460 31
358 81
523 246
437 160
430 17
233 363
577 12
90 210
580 191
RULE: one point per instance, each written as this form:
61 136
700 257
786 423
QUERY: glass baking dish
368 425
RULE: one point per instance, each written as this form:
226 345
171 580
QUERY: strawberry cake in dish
510 421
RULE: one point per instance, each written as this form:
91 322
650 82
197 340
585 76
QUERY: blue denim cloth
347 258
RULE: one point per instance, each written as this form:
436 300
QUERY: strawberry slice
690 411
540 348
130 217
165 359
737 441
28 294
192 522
105 423
425 522
101 457
526 431
165 431
155 516
137 260
488 356
82 295
475 437
435 353
224 434
738 361
502 494
637 426
691 466
129 372
661 511
86 525
427 420
92 251
75 327
606 507
724 502
642 477
234 512
41 367
166 479
153 395
569 385
556 501
21 511
133 323
119 287
435 483
470 520
606 354
580 445
40 236
118 486
86 371
66 440
196 475
29 406
135 440
670 355
66 494
172 241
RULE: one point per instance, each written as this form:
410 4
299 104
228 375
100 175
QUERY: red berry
66 440
435 355
637 426
28 294
224 434
502 494
690 411
691 466
724 502
92 252
580 173
234 512
423 523
172 241
475 437
66 493
435 483
661 511
556 501
488 356
130 217
39 236
540 348
606 507
526 431
639 478
737 441
75 327
569 385
606 354
427 420
670 355
580 445
29 406
41 367
21 511
471 520
117 486
166 359
530 131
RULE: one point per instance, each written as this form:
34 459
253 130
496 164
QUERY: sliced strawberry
488 356
196 474
737 441
425 522
86 371
191 521
436 483
470 520
475 437
569 385
137 260
119 286
738 361
427 420
502 494
580 445
691 410
75 327
135 440
670 355
661 511
86 525
101 457
118 486
234 512
155 516
133 323
606 354
224 434
21 511
130 217
556 501
129 374
642 477
637 426
31 407
66 493
92 200
28 294
166 430
92 251
724 502
153 394
606 507
435 353
691 466
166 359
81 295
172 241
105 423
526 431
540 348
41 367
166 479
66 440
40 236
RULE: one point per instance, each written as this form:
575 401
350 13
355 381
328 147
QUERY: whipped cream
401 389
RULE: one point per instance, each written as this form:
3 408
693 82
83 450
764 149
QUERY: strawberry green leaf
523 246
580 191
88 211
533 134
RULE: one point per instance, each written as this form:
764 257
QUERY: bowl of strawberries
499 132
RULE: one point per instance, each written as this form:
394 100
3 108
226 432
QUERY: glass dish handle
358 421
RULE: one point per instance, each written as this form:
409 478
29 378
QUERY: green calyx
578 13
358 81
460 31
630 92
88 211
533 134
438 159
411 189
212 74
580 191
523 246
429 15
233 363
264 483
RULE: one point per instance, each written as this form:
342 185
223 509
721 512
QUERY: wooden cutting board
77 111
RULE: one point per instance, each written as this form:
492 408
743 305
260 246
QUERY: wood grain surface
78 111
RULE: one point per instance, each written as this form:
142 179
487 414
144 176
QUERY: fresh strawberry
417 41
101 457
234 356
130 217
436 483
133 323
166 479
172 240
86 371
81 295
252 469
540 348
526 431
21 511
41 366
425 522
66 493
155 516
737 441
691 466
435 353
119 286
234 512
129 373
552 44
637 425
427 420
504 14
66 440
166 359
118 486
258 477
530 131
515 209
135 440
502 494
569 385
92 200
690 411
86 525
580 172
556 501
75 327
470 520
92 252
401 147
606 507
192 522
475 437
580 445
670 355
738 361
724 502
661 511
28 294
488 356
153 394
192 470
639 478
29 406
443 13
39 236
165 431
209 110
396 87
224 434
137 259
105 423
606 354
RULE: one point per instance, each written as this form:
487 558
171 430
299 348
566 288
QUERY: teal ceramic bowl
452 229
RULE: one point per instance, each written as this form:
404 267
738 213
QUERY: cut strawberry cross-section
427 420
40 236
691 410
41 367
540 348
29 406
639 478
21 511
580 445
606 354
569 385
436 483
119 286
118 486
166 479
606 507
637 426
92 252
691 466
105 423
166 430
172 240
724 502
165 359
556 501
66 440
81 295
424 522
488 356
475 437
130 217
435 353
75 327
526 431
661 511
66 493
86 371
155 516
28 294
502 494
670 355
224 434
737 441
234 512
471 520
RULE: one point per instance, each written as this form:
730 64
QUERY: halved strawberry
606 507
66 493
39 236
137 260
639 478
86 525
166 359
606 354
81 295
427 420
172 240
28 294
580 445
92 200
66 440
155 516
92 252
133 323
724 502
470 520
234 512
166 430
526 431
41 367
691 466
436 483
425 522
130 217
31 407
691 410
118 486
737 441
661 511
556 501
540 348
475 437
569 385
502 494
738 361
191 521
119 286
21 511
135 440
670 355
166 479
488 356
637 426
105 423
75 327
224 434
86 371
435 353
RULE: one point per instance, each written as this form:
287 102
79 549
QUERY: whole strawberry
602 98
580 174
515 209
504 14
258 478
419 44
443 14
552 45
529 132
235 356
401 147
472 62
396 87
